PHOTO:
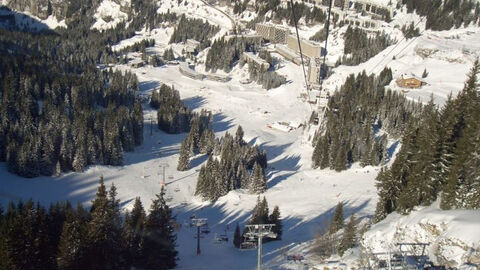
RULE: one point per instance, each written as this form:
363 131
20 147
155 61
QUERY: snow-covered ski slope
306 197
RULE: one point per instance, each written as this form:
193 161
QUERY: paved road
224 13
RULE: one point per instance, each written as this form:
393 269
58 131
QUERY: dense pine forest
172 115
240 165
59 112
67 237
362 116
444 15
195 29
439 157
268 78
226 51
359 47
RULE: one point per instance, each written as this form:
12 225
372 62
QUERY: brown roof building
410 81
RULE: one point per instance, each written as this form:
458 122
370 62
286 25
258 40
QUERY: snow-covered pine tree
105 242
184 158
349 236
239 135
138 122
260 212
202 181
469 102
243 176
275 218
133 232
337 220
258 182
220 186
159 245
472 198
71 248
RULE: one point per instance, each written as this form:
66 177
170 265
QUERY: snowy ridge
25 20
454 235
108 15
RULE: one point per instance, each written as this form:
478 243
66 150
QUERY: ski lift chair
205 230
220 238
248 245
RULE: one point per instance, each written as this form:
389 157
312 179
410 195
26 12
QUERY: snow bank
454 235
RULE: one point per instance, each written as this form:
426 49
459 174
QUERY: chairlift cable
301 55
404 37
409 43
323 67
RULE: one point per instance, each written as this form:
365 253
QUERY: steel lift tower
199 222
163 165
259 231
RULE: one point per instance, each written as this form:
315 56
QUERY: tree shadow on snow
194 102
288 164
75 187
274 151
149 85
220 122
197 161
278 178
295 230
161 144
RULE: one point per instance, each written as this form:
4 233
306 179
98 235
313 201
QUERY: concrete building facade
273 33
249 57
288 53
363 23
310 49
314 74
369 7
354 5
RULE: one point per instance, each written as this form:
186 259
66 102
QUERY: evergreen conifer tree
258 182
71 249
133 232
159 245
260 212
105 243
237 237
424 74
349 236
337 221
184 158
274 218
239 135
